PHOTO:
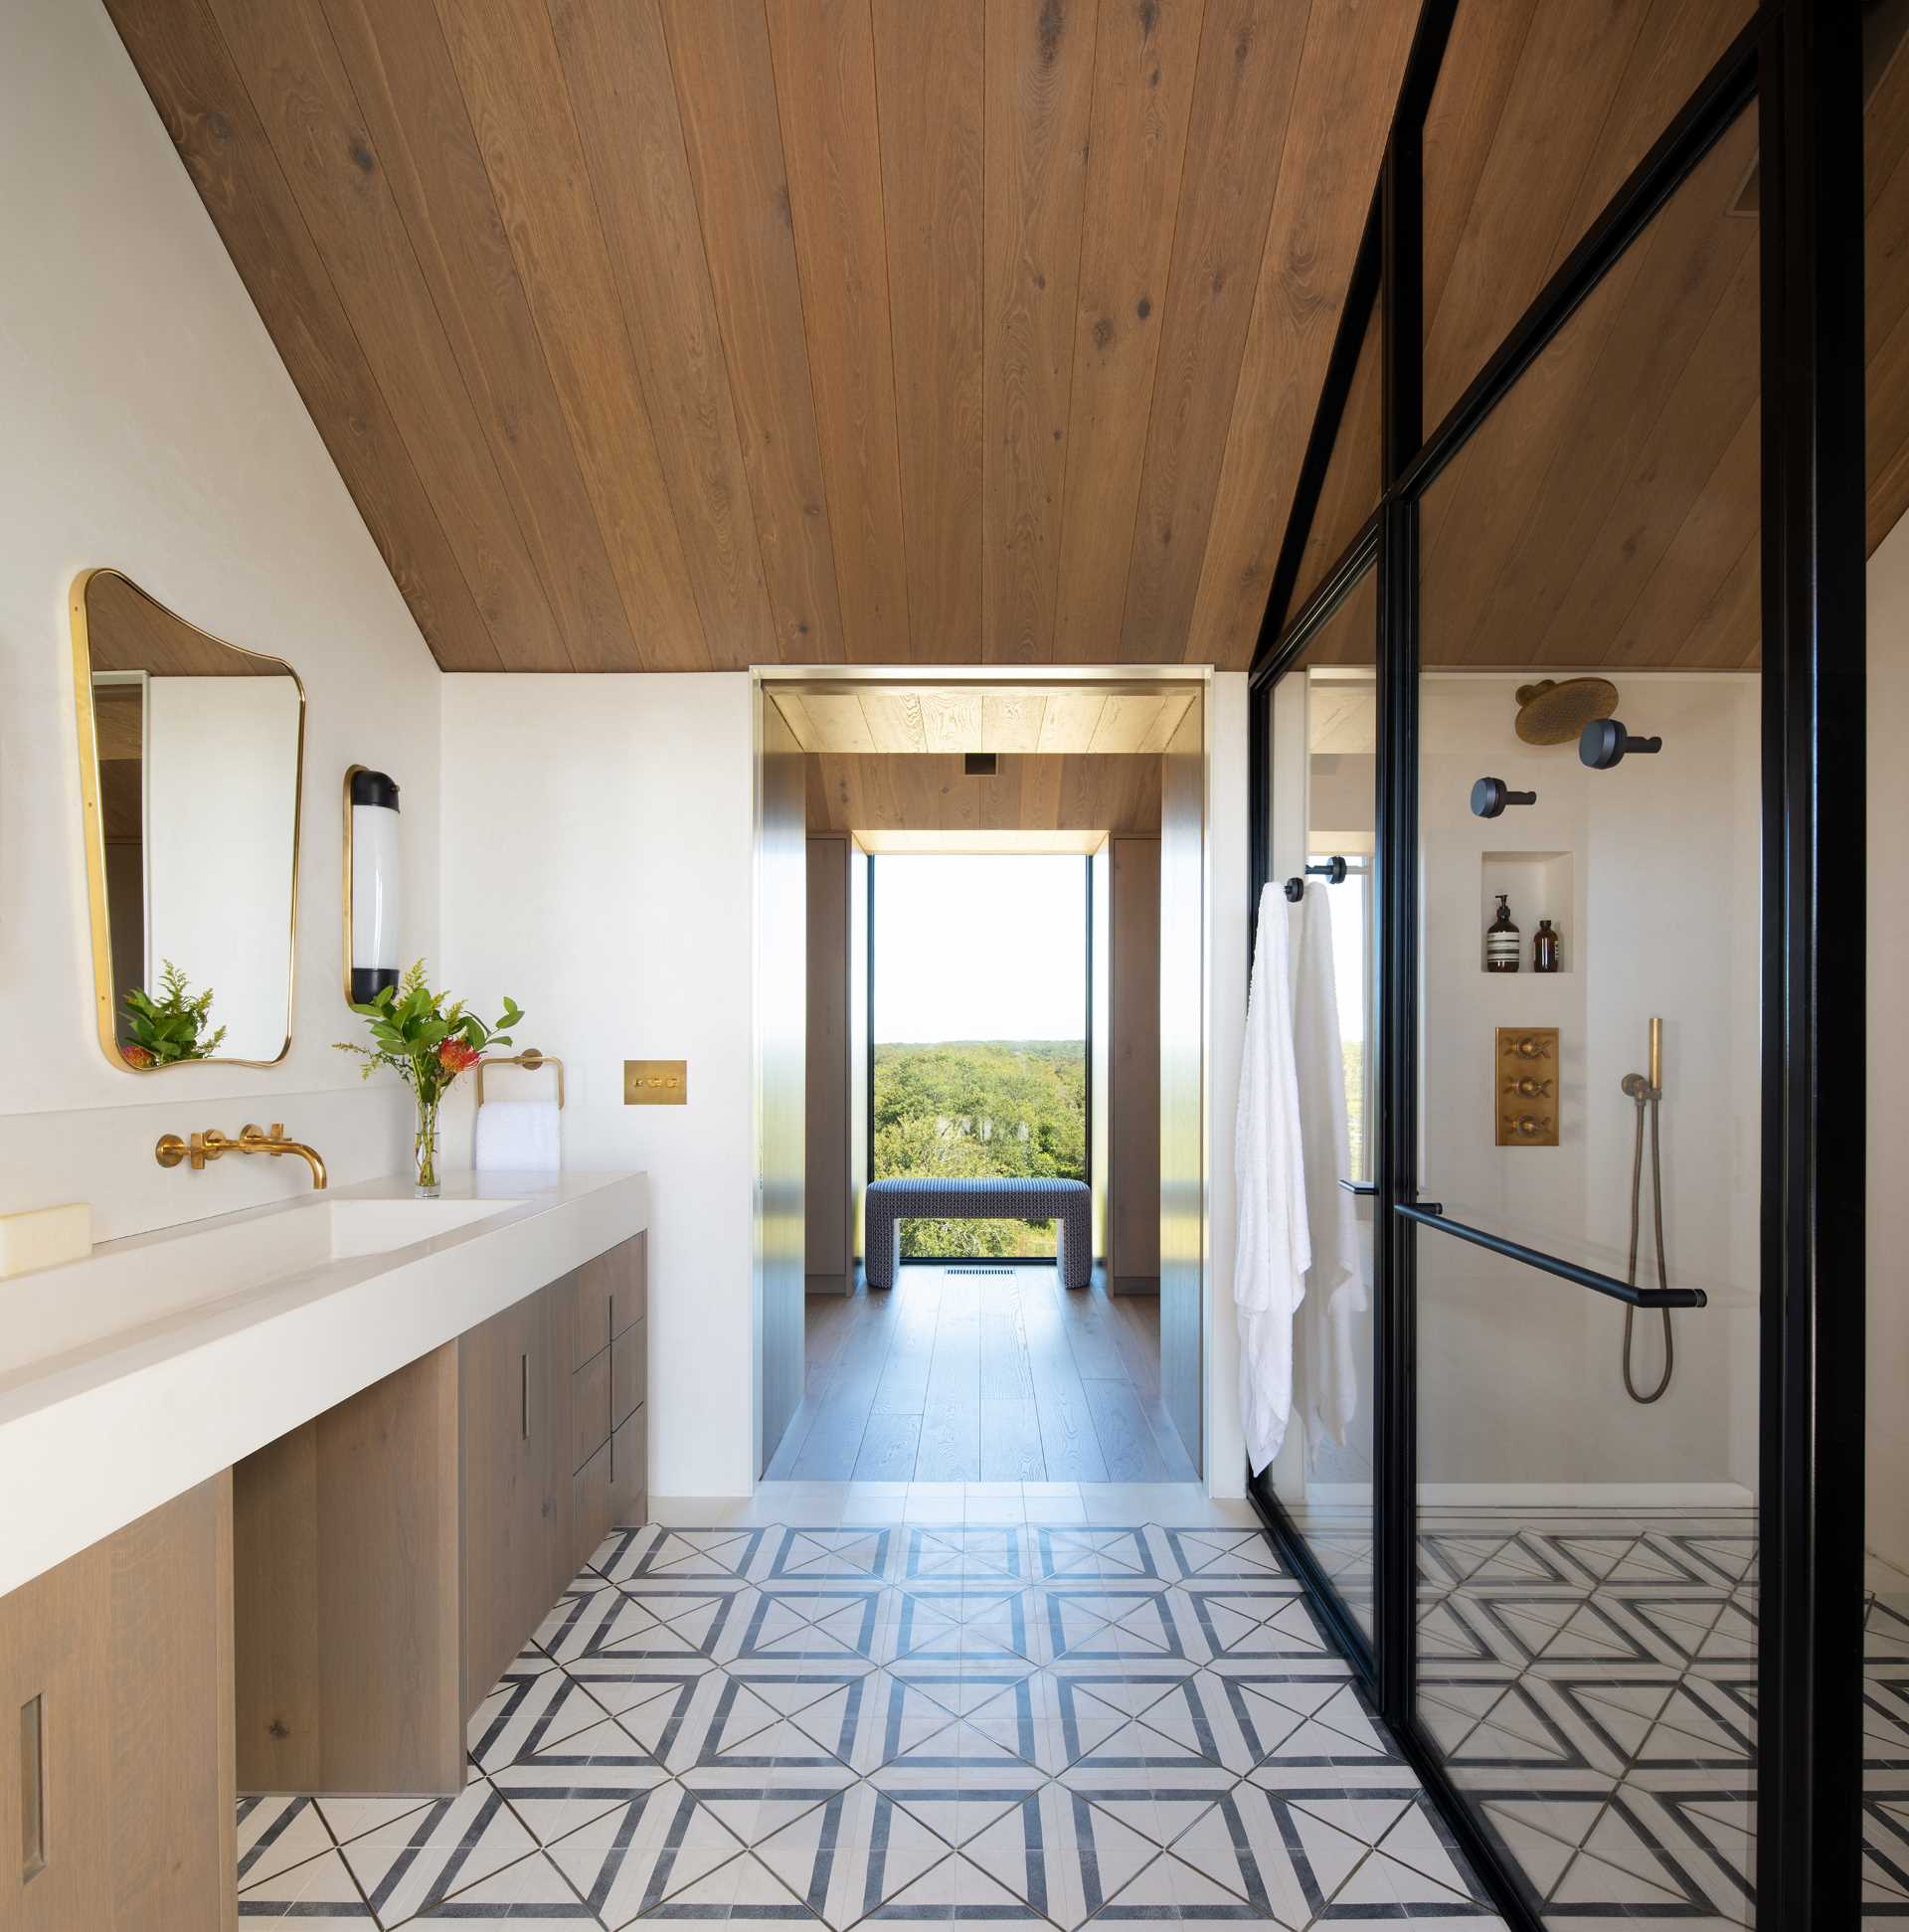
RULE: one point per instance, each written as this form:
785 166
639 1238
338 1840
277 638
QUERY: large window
979 987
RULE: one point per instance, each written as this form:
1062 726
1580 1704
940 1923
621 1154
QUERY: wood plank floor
993 1376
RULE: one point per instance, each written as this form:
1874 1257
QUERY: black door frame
1797 66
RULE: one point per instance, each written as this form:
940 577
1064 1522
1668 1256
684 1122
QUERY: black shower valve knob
1489 797
1604 742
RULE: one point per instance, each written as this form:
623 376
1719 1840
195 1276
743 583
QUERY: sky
974 948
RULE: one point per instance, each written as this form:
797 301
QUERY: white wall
1889 1104
149 424
1518 1374
601 869
219 883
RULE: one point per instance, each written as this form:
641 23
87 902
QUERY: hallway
976 1372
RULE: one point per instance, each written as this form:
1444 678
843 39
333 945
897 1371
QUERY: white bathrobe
1273 1244
1327 1371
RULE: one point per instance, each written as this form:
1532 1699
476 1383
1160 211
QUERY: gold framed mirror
191 778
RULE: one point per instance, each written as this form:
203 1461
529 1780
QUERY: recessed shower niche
1536 886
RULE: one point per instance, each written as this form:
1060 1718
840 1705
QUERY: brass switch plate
655 1083
1525 1086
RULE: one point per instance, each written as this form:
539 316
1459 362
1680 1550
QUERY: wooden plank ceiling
690 334
947 719
1036 792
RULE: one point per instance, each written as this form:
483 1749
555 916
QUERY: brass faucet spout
210 1144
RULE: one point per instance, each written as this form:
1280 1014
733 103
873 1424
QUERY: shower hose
1649 1098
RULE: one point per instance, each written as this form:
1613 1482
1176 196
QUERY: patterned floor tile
810 1721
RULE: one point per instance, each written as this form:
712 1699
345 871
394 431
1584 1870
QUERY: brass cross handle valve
1533 1047
1527 1125
1530 1087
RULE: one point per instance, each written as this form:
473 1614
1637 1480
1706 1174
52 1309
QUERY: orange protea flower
454 1055
136 1056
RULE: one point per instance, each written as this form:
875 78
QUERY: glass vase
425 1152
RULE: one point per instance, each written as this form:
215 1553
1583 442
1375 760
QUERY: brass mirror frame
94 828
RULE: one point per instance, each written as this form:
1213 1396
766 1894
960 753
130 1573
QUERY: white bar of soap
44 1237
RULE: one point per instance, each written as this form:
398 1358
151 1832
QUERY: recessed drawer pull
524 1366
33 1790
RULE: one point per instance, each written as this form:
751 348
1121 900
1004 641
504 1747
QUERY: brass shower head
1550 713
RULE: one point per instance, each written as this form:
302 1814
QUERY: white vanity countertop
129 1377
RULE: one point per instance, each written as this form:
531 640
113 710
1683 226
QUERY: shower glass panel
1590 1085
1541 108
1885 1612
1323 726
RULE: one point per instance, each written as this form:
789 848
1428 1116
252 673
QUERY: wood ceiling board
1248 61
1677 603
1070 719
1144 61
1028 792
1349 77
990 844
837 723
1124 723
128 630
1011 721
1729 629
288 63
1676 46
1481 58
614 186
1672 468
929 83
1039 90
951 720
1570 62
831 145
794 714
1674 359
895 721
402 80
726 84
521 111
1165 721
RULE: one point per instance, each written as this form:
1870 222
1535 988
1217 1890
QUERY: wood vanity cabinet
116 1805
394 1554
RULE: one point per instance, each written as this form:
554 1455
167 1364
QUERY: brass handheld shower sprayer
1646 1092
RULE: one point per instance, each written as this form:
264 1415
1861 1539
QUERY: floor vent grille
980 1270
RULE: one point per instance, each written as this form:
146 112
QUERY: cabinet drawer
630 1281
590 1311
628 1373
591 1508
629 1472
588 1409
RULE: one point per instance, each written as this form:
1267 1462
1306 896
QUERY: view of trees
981 1107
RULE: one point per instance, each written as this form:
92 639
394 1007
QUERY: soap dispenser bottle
1544 948
1503 944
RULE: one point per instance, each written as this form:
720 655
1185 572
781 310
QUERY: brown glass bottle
1544 948
1503 944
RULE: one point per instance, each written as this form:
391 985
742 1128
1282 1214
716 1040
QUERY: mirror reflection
190 758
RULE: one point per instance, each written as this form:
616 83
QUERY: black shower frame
1797 66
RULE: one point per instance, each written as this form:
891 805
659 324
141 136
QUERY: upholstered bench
891 1202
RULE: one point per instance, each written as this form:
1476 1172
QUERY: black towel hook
1332 872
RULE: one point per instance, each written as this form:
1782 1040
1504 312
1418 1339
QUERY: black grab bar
1431 1216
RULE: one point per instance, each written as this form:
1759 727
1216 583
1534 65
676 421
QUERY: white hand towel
1328 1370
517 1137
1273 1244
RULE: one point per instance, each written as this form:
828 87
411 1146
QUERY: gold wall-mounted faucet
210 1144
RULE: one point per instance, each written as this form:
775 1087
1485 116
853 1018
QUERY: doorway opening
989 1286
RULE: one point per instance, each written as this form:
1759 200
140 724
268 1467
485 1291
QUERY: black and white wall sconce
374 884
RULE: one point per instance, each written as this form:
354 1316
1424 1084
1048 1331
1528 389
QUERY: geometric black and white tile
828 1724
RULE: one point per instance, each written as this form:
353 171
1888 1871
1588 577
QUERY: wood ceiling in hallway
690 334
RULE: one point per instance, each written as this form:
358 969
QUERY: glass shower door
1590 1090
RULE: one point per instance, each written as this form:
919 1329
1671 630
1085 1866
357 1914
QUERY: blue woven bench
1068 1202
